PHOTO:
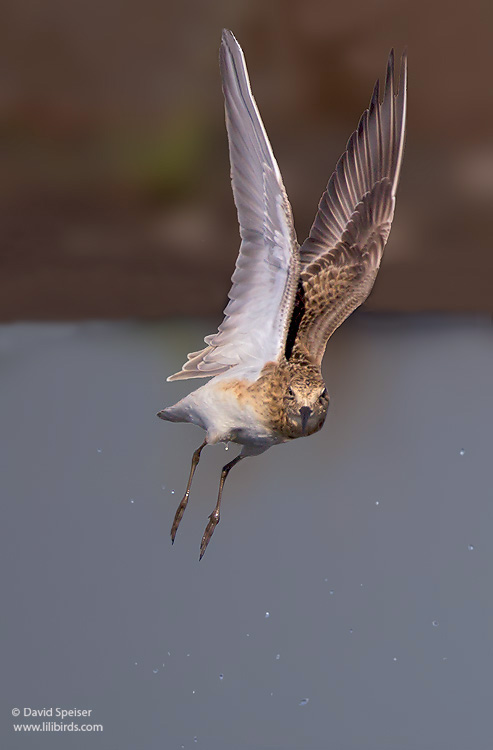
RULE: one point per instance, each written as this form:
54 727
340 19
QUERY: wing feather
341 257
261 299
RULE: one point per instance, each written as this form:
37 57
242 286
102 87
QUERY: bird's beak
305 412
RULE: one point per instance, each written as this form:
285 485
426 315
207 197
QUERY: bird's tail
185 410
172 414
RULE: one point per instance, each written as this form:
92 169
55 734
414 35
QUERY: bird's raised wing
341 257
264 282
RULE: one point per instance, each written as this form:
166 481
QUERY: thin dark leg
214 516
181 508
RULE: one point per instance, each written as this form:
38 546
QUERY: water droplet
221 676
188 654
155 671
272 693
470 547
267 615
462 452
361 585
169 653
331 592
136 662
248 635
377 502
350 630
193 692
435 623
303 702
163 486
195 739
278 656
395 658
444 658
172 492
226 447
100 450
132 500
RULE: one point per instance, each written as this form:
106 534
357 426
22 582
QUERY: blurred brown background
114 188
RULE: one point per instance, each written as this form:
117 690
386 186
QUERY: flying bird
286 300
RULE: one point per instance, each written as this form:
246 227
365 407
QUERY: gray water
369 545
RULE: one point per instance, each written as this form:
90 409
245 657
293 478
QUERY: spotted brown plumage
286 301
341 257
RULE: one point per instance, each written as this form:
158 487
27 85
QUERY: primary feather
341 257
264 282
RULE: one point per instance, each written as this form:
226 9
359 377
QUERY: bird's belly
228 417
241 424
260 438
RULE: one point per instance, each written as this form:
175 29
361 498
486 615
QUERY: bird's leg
214 516
181 508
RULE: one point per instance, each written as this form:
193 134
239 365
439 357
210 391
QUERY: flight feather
341 257
264 282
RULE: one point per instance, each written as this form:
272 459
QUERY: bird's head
306 402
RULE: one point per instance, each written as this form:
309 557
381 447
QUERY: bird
286 299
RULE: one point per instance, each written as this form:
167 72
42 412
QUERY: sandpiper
286 300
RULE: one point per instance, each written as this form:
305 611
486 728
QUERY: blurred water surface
345 600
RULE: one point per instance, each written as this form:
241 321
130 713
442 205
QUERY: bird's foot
209 530
178 516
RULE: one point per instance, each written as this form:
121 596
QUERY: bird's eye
323 395
290 391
